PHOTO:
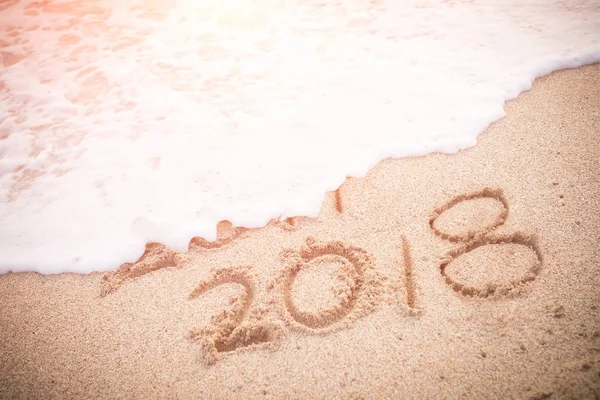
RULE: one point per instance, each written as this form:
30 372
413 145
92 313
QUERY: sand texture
473 275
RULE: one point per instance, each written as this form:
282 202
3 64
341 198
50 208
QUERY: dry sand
447 276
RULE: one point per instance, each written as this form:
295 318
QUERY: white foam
127 122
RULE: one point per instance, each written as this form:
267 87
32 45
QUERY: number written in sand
484 264
354 285
239 327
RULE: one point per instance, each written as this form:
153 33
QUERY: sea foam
125 122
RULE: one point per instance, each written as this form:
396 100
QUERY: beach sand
444 276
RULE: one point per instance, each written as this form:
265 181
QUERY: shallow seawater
128 122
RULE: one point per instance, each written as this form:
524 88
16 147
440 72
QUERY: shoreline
587 61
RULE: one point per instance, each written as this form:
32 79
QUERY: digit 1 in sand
408 274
